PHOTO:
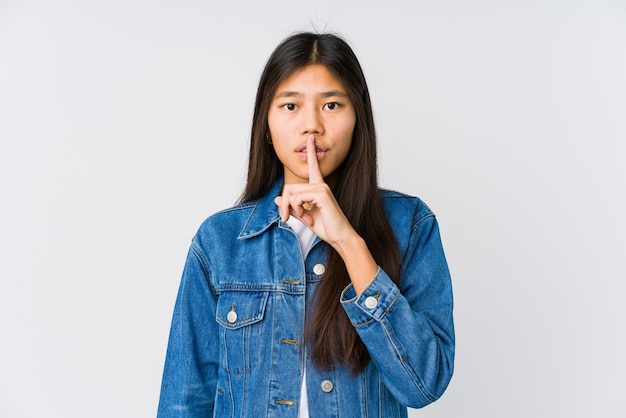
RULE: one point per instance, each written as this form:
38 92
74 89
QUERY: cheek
349 124
279 129
273 121
347 133
345 143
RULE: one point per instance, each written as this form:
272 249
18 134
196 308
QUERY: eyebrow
332 93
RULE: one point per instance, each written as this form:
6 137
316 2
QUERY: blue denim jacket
235 347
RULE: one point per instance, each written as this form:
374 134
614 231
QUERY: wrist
349 244
359 262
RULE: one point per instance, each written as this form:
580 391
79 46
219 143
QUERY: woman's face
311 102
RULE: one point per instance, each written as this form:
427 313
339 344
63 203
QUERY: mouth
320 151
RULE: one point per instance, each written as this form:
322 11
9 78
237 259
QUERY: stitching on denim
290 289
362 324
365 399
244 234
204 263
395 343
240 323
235 208
225 366
247 344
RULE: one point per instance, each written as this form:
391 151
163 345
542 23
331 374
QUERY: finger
283 204
315 174
307 219
296 205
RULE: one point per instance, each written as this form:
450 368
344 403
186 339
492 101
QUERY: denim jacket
235 346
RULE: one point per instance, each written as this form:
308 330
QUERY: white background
124 123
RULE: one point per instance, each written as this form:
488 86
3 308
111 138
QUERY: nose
312 122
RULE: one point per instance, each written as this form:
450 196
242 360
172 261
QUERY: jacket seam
204 263
405 364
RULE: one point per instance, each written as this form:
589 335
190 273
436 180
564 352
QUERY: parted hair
332 339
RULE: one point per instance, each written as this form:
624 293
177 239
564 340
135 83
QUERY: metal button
371 302
319 269
327 385
232 317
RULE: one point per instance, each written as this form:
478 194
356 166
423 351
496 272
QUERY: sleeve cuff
373 303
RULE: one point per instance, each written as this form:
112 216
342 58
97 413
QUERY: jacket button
319 269
371 302
327 385
232 317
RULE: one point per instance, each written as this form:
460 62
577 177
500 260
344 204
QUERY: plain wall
123 124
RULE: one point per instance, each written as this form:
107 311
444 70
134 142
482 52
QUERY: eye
332 106
289 106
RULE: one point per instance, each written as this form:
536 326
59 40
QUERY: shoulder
226 222
410 218
404 207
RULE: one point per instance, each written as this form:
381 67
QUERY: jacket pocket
240 315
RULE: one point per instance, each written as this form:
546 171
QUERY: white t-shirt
306 238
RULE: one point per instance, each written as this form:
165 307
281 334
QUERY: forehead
314 78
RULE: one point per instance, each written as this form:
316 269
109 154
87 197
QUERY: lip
318 148
320 151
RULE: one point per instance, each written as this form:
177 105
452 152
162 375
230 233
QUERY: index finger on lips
315 174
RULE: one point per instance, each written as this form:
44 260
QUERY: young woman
318 294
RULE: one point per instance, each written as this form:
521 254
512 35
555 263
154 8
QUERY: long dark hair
333 339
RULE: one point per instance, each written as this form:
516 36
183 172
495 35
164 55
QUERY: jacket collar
264 213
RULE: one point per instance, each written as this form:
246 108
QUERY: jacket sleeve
408 330
190 374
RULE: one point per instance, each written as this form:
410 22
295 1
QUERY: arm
409 330
190 373
314 204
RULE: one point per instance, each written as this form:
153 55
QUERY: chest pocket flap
236 309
